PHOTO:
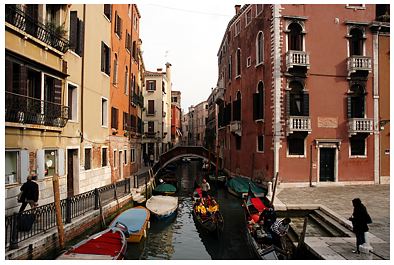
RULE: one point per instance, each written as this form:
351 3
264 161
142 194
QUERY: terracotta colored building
176 119
289 106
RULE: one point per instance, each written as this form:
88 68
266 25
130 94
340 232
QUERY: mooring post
14 232
59 222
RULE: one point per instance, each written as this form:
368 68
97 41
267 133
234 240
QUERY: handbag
19 196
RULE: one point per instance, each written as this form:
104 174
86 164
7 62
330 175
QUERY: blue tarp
133 218
241 185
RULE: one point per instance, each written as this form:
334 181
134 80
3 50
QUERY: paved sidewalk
339 199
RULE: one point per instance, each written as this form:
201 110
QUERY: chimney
168 73
237 8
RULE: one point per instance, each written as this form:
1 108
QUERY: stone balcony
297 58
299 124
360 125
358 63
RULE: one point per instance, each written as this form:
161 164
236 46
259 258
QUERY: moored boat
239 186
164 189
137 221
109 244
162 207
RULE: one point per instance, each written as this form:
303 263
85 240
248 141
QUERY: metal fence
45 216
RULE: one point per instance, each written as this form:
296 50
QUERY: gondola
239 186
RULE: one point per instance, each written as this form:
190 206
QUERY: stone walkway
339 199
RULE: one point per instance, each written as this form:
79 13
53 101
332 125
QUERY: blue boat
137 221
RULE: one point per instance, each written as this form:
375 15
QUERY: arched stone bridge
185 151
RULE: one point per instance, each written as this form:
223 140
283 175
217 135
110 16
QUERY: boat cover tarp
258 204
109 243
162 205
241 185
165 187
133 218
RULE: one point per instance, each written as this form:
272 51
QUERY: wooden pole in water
273 193
302 235
59 223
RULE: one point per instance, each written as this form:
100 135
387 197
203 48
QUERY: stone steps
330 225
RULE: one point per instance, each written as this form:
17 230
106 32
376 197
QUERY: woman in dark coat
360 220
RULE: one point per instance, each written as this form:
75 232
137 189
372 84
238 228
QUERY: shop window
50 162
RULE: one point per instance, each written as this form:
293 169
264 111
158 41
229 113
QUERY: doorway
327 164
72 171
120 164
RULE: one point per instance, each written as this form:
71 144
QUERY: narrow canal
180 239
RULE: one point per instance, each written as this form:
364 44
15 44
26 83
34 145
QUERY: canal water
180 239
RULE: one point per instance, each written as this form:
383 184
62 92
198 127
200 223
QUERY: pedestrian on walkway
29 193
360 220
151 159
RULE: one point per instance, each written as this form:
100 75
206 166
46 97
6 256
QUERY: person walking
30 193
205 188
360 220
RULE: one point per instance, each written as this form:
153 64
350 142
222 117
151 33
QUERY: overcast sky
187 34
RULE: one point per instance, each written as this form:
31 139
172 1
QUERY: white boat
162 206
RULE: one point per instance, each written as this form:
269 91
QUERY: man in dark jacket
360 220
30 193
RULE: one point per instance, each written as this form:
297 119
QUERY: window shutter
58 91
9 75
61 162
24 165
306 104
102 57
73 30
288 103
120 28
80 45
23 81
261 104
349 106
255 105
116 22
40 163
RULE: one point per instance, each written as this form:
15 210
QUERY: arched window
238 62
115 81
298 100
356 42
356 102
258 102
126 81
295 38
259 48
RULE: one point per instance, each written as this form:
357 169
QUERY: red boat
110 244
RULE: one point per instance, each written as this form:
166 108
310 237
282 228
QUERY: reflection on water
180 239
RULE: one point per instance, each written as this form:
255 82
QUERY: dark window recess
238 141
295 37
134 54
108 11
133 123
104 157
357 146
88 158
126 122
237 108
260 143
151 126
128 41
297 100
356 102
295 146
258 103
229 68
105 59
76 33
356 42
151 107
118 25
238 62
383 12
114 118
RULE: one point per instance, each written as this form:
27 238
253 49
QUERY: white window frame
257 48
351 6
56 162
302 24
132 153
114 154
358 156
238 63
17 174
248 62
126 83
295 156
257 144
262 8
246 17
125 157
75 106
237 27
91 157
101 156
104 112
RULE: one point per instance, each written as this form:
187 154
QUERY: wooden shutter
116 26
40 163
57 98
349 106
108 11
305 105
288 103
80 44
102 57
120 28
9 73
60 162
73 30
24 158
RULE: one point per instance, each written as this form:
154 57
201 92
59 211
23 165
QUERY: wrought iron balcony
360 125
22 21
235 127
26 110
358 63
299 124
297 58
137 100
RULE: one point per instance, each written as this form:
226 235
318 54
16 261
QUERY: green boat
239 186
164 189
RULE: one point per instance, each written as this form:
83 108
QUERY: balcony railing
27 110
150 134
360 125
297 58
358 63
299 124
235 127
137 100
22 21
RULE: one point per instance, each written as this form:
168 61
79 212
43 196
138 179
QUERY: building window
298 100
295 38
88 158
126 80
296 146
105 58
104 161
12 174
248 61
118 25
356 42
50 162
108 11
357 146
104 109
248 17
259 48
114 118
237 107
128 41
230 68
238 141
260 143
151 126
356 102
76 33
115 164
238 63
151 85
125 157
258 102
115 80
151 107
259 9
237 27
134 53
72 102
133 155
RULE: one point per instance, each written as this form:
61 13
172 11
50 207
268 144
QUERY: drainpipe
376 125
277 86
83 71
